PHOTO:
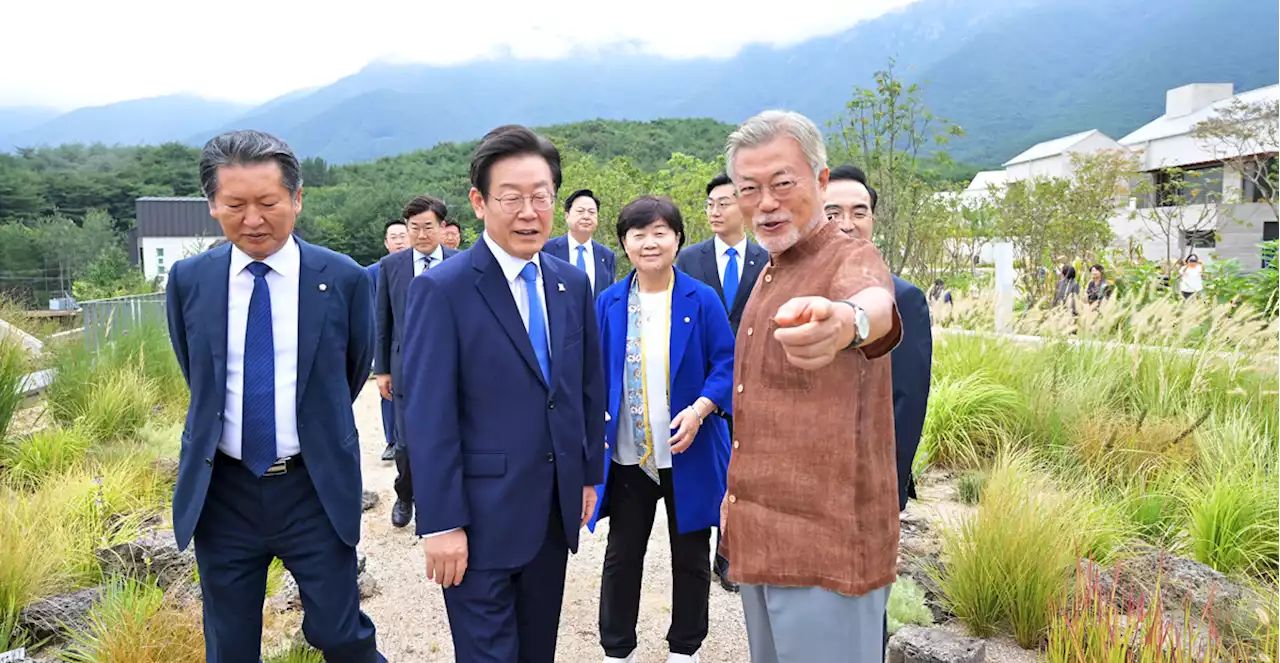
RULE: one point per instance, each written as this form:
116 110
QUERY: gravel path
409 612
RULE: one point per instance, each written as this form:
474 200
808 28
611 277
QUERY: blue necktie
537 323
258 423
581 262
731 278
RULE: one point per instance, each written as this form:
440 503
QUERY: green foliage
1235 523
969 486
28 461
13 368
298 653
968 419
907 606
133 622
111 275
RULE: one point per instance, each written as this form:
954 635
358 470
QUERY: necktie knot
258 269
582 249
731 252
529 273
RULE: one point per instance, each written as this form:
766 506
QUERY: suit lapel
401 273
313 308
493 287
212 293
617 316
602 270
684 310
711 270
557 311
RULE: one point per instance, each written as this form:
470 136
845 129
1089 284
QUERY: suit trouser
633 499
404 476
805 624
245 522
511 615
388 420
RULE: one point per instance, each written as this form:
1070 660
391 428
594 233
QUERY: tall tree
1244 137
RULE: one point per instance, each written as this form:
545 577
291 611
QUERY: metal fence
105 319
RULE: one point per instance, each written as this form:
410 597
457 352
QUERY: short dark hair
719 180
424 204
1068 271
450 222
849 171
1099 268
235 148
568 202
646 210
511 140
391 222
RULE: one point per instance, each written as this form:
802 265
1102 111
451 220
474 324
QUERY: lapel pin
560 287
323 287
686 319
751 262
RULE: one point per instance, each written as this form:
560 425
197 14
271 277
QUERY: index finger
806 334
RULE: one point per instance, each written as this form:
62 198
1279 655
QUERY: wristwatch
861 324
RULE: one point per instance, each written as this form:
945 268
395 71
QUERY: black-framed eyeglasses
780 190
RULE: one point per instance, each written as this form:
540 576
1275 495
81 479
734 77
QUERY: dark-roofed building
170 229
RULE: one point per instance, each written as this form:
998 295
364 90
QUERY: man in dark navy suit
851 202
422 216
730 264
504 410
395 236
582 217
274 337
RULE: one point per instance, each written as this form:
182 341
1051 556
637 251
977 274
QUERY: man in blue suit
582 217
395 236
424 216
504 410
274 337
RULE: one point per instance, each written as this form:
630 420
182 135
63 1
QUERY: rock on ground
154 554
917 644
50 617
368 500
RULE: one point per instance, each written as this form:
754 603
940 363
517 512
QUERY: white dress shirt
589 256
420 259
722 259
282 281
511 267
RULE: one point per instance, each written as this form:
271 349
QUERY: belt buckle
281 466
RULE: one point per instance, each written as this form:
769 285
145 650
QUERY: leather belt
281 466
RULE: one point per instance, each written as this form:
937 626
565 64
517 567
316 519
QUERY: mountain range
1009 72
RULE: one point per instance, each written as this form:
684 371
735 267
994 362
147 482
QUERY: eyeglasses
780 190
721 204
512 203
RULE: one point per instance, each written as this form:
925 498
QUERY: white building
1052 158
170 229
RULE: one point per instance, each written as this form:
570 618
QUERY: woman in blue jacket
668 367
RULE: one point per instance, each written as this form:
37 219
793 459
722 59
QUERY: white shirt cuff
427 536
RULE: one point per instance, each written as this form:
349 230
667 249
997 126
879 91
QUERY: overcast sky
70 53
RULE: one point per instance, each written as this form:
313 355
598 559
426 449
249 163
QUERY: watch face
863 322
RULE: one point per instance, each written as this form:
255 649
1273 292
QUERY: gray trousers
810 624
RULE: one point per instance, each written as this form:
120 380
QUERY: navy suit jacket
700 357
912 362
489 439
699 261
335 348
394 275
606 263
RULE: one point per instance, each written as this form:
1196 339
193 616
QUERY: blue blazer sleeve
360 345
593 391
718 342
173 313
382 355
432 430
912 370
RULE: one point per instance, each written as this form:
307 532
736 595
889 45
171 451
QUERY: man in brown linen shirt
811 517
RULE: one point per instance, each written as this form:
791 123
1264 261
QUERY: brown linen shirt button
768 278
733 500
751 330
735 444
739 389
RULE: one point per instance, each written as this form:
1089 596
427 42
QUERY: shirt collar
510 264
574 244
721 247
285 261
436 256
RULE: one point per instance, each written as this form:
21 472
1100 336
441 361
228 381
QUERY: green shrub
907 606
969 486
296 654
969 417
1235 522
29 460
133 623
13 368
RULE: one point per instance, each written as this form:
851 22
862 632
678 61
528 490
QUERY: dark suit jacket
699 261
912 363
395 273
489 439
606 262
335 347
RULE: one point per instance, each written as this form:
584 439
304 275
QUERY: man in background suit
730 264
422 216
395 236
450 234
851 202
274 337
504 410
582 217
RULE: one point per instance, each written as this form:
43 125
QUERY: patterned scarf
637 379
